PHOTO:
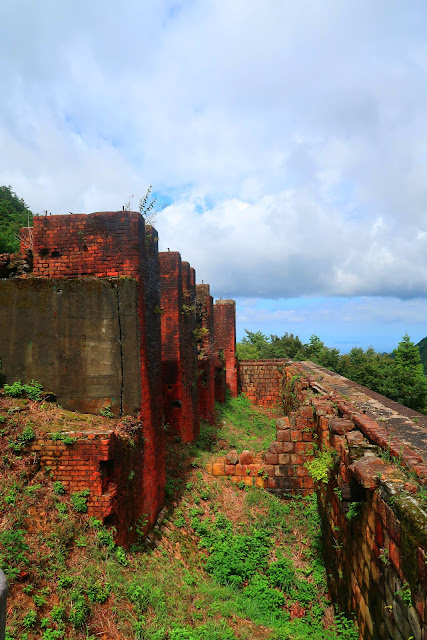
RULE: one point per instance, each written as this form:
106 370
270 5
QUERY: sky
287 140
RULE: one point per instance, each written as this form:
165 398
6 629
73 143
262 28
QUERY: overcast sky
287 137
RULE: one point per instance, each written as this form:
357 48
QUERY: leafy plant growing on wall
320 466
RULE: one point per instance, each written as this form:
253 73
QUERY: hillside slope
229 563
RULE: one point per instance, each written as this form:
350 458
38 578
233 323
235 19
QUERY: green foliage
30 619
14 214
353 510
98 592
233 558
121 556
405 594
399 376
282 574
106 412
79 500
244 428
79 609
22 441
63 437
19 390
58 488
408 384
320 466
12 552
268 599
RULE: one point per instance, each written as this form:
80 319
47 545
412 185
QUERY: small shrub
32 391
267 598
105 538
281 574
106 412
319 467
79 609
121 556
98 592
63 437
22 441
30 619
79 500
65 582
58 488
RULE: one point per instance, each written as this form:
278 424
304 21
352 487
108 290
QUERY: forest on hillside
399 376
14 214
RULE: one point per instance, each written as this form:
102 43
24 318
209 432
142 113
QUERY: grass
244 426
229 564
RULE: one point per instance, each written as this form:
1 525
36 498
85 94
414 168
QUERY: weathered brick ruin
98 317
103 320
205 350
179 348
372 501
225 345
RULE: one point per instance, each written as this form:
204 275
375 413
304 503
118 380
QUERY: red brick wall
262 381
206 365
151 376
189 351
371 504
225 341
99 244
107 463
375 558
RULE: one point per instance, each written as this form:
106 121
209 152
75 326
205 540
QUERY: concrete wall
79 338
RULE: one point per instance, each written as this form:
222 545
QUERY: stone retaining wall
369 462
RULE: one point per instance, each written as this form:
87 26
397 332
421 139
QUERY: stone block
218 469
248 480
232 457
341 426
246 457
283 423
306 411
271 458
366 471
283 436
230 469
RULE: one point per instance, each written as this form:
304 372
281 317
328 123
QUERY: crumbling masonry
98 316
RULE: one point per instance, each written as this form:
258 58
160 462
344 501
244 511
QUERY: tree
14 214
253 346
407 384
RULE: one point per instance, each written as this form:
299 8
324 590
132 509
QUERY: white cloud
291 135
